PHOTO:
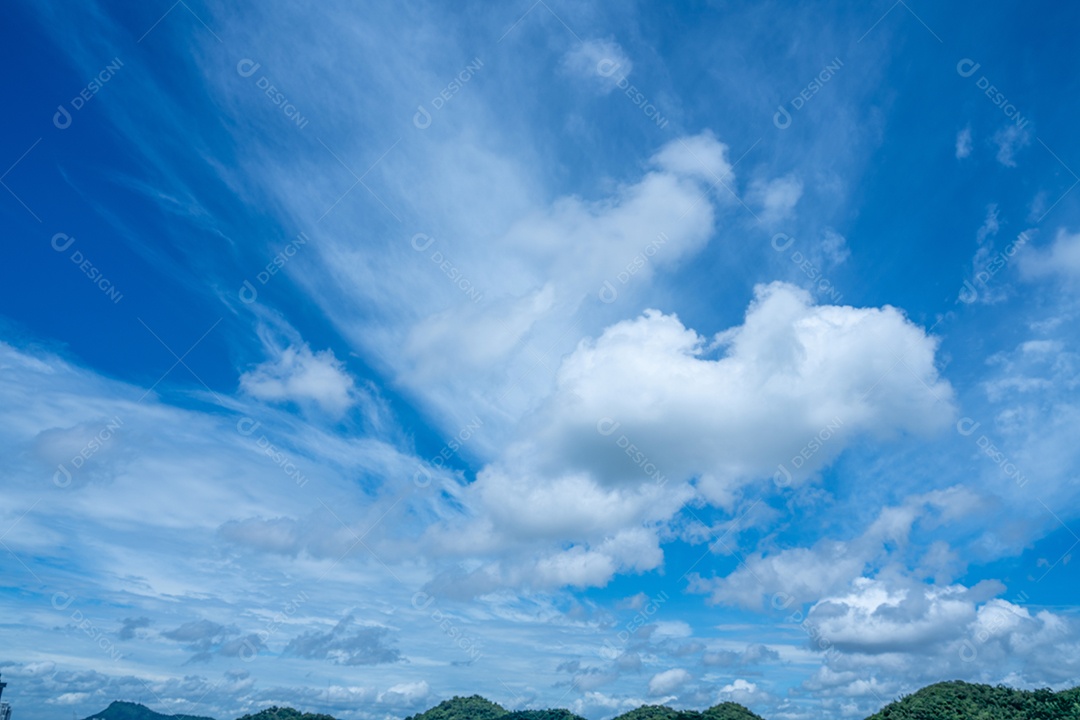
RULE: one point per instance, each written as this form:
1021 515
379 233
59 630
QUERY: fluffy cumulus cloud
296 374
650 413
741 691
668 681
918 632
776 199
731 411
874 618
489 354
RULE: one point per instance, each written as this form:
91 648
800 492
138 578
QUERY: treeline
943 701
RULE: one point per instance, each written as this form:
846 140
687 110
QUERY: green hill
473 707
285 713
119 710
541 715
729 711
982 702
723 711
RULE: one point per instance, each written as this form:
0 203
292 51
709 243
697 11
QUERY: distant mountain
966 701
119 710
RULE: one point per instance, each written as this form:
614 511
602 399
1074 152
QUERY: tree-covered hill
966 701
285 713
723 711
119 710
473 707
548 714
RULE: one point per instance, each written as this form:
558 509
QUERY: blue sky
572 354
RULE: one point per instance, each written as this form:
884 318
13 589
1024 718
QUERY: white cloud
775 198
990 225
917 633
700 156
668 681
602 61
834 246
874 618
963 143
1009 140
1061 258
405 694
642 410
805 574
789 371
296 374
741 691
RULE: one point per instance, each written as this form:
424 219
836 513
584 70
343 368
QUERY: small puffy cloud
740 691
701 156
345 644
130 625
1061 258
600 61
757 653
1009 140
834 247
668 681
963 143
775 198
296 374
